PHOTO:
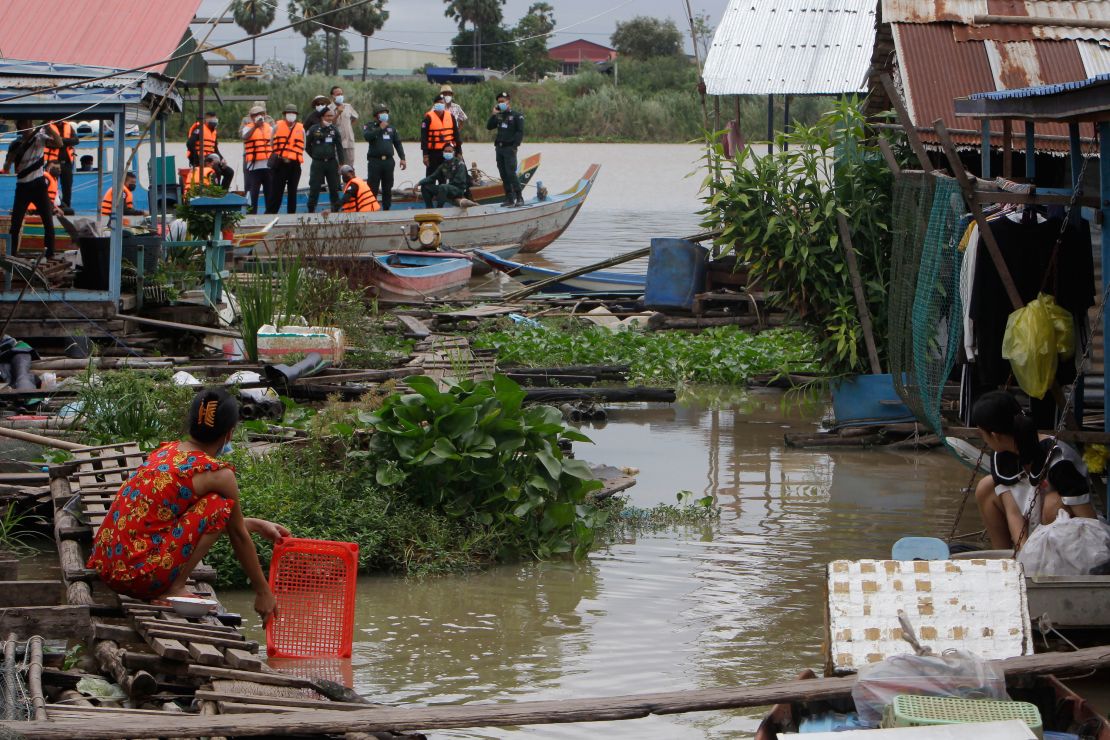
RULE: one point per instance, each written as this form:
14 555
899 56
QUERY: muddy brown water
736 602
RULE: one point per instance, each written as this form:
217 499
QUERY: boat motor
287 374
541 191
428 236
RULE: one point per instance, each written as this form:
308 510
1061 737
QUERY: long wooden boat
533 226
400 275
612 283
1062 710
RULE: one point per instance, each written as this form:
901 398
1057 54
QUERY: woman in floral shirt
176 505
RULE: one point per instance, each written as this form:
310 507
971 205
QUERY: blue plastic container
676 273
865 400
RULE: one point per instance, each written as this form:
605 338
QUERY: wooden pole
857 289
907 123
631 706
38 439
34 679
1008 148
619 259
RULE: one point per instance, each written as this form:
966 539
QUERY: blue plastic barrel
676 273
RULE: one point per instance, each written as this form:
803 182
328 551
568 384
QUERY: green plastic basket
908 710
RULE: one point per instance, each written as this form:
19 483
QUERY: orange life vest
209 139
106 204
289 140
65 130
441 131
51 190
257 146
364 200
199 175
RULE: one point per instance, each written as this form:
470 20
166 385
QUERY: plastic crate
908 710
314 583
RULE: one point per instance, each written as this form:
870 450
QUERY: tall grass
263 293
124 405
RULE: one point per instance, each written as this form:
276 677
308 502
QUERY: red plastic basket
314 582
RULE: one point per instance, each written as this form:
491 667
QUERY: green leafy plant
267 291
16 530
124 405
202 222
778 214
474 451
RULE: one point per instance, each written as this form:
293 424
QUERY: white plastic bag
1067 547
957 673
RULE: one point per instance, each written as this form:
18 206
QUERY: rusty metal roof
107 33
964 12
791 47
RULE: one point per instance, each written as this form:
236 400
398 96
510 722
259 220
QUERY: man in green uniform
447 182
383 140
323 146
510 132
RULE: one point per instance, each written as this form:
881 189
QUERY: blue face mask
439 107
226 449
502 107
383 117
448 156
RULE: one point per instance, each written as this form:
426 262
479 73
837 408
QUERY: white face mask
291 117
339 100
320 108
448 98
259 119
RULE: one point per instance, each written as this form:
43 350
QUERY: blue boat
592 283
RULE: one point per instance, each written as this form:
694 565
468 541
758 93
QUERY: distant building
573 53
399 61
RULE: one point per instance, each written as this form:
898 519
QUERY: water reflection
739 603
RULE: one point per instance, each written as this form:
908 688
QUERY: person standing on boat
453 105
26 155
320 104
257 135
65 156
203 142
326 150
358 196
53 172
345 117
447 183
509 125
437 131
383 140
1032 478
168 515
288 157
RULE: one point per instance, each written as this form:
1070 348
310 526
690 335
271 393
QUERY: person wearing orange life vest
358 196
204 141
288 156
128 199
64 156
53 170
438 129
258 136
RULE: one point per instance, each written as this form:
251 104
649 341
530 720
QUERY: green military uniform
509 125
323 146
379 159
448 182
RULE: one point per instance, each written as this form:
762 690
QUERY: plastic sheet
956 673
1036 335
1066 547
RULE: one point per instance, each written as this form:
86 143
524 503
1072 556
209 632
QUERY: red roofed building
100 33
573 53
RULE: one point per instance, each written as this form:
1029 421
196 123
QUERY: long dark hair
212 414
999 412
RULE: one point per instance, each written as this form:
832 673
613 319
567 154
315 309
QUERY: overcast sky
420 24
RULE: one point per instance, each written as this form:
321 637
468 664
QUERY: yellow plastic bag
1037 334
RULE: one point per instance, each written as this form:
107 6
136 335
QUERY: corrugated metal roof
1042 90
964 11
110 33
791 47
135 90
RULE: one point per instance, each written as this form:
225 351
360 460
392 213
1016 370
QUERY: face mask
448 98
258 119
130 188
383 117
226 449
291 117
502 107
339 100
212 123
320 108
438 107
448 156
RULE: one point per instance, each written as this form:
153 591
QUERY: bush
124 406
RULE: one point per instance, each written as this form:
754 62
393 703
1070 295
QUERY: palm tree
366 20
254 17
299 10
479 14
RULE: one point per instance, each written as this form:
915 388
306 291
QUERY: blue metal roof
1041 90
20 77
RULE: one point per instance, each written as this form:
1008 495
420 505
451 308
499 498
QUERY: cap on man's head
381 108
438 99
257 109
503 94
291 108
446 88
213 157
346 170
321 99
210 114
448 145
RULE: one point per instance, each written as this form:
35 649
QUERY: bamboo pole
39 439
907 123
857 290
34 679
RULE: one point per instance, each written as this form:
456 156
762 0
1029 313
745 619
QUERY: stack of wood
51 274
